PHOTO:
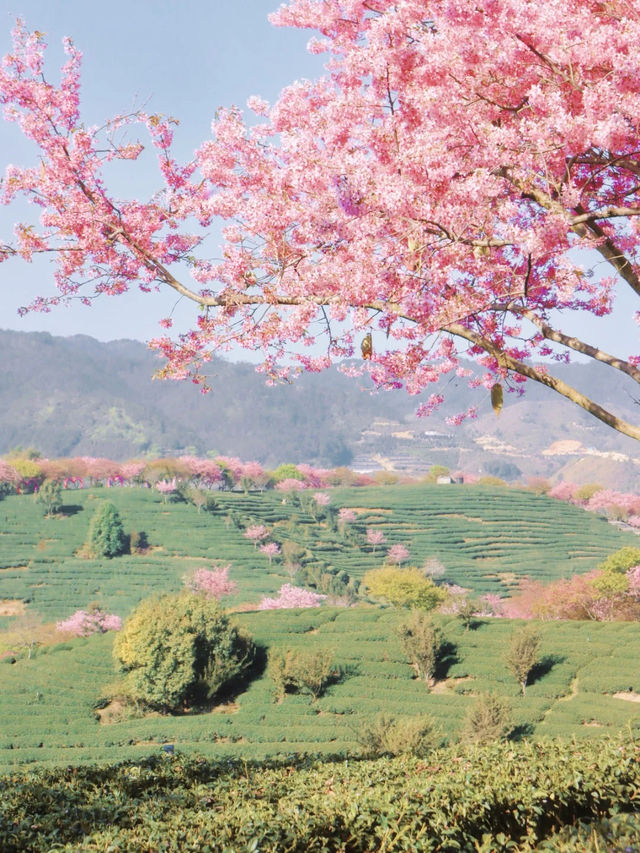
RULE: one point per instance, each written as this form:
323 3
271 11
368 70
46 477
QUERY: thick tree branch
566 390
576 344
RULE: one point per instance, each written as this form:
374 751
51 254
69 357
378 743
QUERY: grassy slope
47 703
48 715
486 538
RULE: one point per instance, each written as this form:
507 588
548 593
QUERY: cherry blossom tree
212 583
424 200
166 488
397 554
9 477
83 623
292 596
375 538
256 533
346 515
270 550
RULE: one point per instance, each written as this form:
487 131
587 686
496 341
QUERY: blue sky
183 59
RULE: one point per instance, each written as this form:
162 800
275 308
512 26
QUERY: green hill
485 537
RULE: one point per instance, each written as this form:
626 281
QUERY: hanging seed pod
496 397
366 347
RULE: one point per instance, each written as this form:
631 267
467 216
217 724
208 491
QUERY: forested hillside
78 396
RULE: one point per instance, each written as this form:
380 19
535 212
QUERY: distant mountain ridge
77 396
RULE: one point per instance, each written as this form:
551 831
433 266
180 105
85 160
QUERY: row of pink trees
225 472
617 506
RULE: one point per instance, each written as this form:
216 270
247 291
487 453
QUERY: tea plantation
485 537
55 708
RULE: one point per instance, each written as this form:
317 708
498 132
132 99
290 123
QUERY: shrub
422 644
138 541
622 560
388 735
523 654
178 649
586 492
403 587
106 533
488 720
50 496
295 671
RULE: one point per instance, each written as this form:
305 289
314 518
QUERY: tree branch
553 382
579 346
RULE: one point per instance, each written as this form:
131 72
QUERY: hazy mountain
77 396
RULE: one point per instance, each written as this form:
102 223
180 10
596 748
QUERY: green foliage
488 720
524 654
610 583
391 736
138 541
403 587
106 533
586 492
329 581
49 495
489 480
201 499
422 644
496 798
293 671
286 471
179 648
27 469
621 560
292 552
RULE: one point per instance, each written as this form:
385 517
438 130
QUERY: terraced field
485 537
50 708
50 714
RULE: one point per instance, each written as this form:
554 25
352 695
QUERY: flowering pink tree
256 533
270 550
397 554
290 484
9 477
292 596
346 515
314 478
426 196
375 538
83 623
166 487
253 476
614 503
563 491
131 471
212 583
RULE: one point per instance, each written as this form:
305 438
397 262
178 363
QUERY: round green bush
179 649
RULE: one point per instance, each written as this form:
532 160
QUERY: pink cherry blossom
292 596
213 583
346 515
290 485
375 538
397 554
442 188
256 532
84 623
